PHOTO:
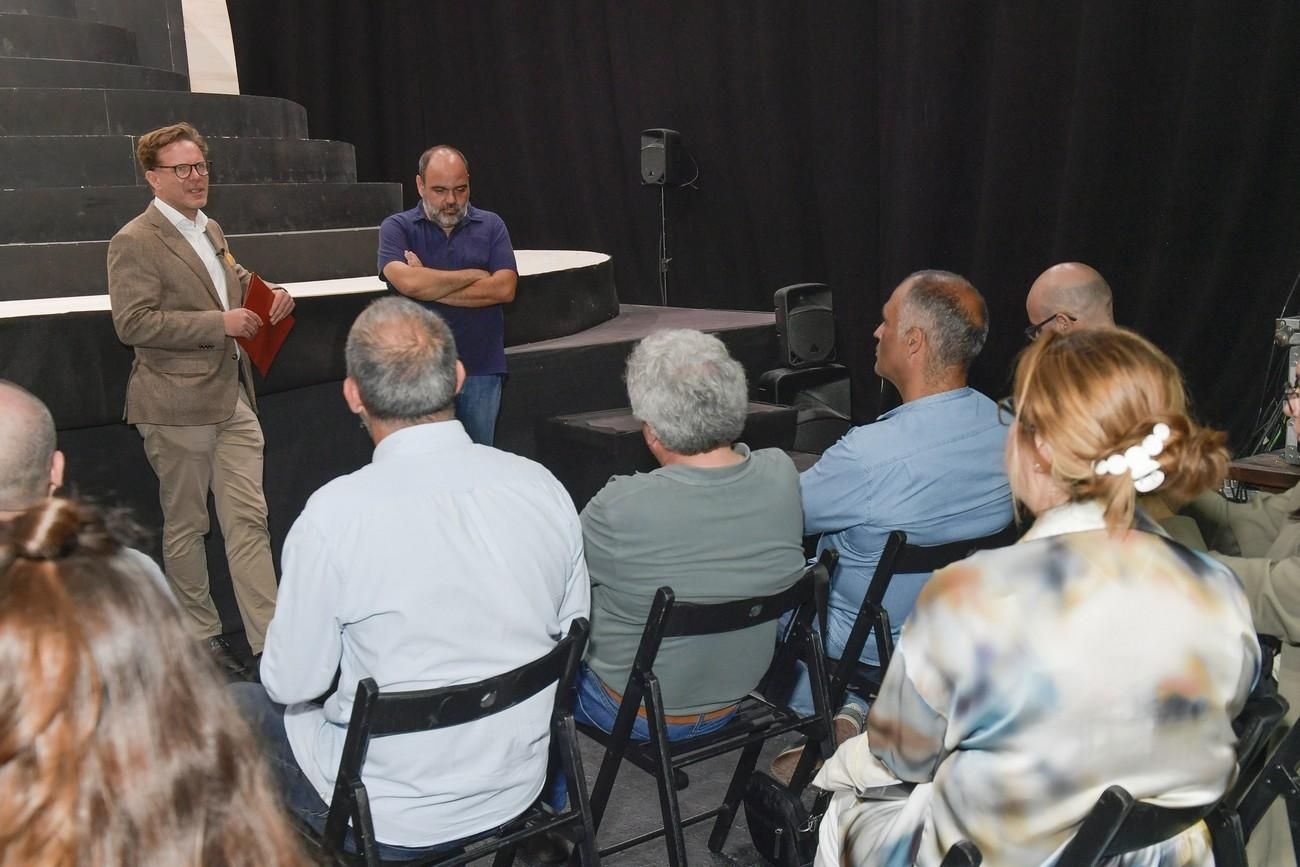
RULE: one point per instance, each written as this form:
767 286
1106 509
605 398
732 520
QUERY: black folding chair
1246 803
377 714
759 718
962 854
1119 824
897 558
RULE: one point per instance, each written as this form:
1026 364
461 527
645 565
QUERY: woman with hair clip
1094 652
118 744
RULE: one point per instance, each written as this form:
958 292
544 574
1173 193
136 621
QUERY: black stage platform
73 361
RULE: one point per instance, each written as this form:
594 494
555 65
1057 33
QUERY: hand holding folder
263 346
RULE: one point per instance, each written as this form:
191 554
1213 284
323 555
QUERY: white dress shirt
195 231
441 562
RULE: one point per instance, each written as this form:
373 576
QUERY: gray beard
437 216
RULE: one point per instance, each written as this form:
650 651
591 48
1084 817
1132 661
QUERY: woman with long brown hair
118 744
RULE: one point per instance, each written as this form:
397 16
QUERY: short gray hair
402 357
951 312
688 389
428 155
27 444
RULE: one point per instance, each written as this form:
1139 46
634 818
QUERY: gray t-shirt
712 535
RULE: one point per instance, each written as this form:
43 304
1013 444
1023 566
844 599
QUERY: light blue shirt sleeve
837 490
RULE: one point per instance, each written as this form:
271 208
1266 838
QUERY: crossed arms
466 287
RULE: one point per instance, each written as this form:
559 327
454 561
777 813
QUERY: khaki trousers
225 458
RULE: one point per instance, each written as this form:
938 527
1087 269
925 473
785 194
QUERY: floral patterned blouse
1031 678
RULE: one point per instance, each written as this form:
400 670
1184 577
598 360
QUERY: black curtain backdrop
852 143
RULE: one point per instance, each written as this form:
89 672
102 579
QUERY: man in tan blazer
176 293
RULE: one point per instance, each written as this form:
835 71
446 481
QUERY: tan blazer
165 306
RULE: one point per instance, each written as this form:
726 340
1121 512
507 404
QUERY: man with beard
456 259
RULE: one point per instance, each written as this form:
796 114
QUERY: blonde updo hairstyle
1093 393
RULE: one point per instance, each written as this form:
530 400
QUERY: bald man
31 468
1068 295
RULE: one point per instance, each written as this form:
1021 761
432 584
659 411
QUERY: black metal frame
1241 810
759 718
898 557
377 714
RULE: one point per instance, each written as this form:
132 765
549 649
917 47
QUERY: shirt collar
912 405
1067 518
421 438
179 220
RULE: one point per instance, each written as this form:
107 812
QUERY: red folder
263 346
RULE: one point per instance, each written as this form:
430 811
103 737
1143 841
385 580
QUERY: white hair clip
1139 461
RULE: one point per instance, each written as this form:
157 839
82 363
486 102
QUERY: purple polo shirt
480 241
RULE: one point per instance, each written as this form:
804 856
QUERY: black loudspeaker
805 324
663 159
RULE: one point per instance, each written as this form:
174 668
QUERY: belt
687 719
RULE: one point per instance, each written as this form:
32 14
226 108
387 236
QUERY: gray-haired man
440 562
714 522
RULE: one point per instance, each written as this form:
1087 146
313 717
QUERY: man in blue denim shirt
456 259
932 467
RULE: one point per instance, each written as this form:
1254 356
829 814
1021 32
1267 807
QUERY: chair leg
668 806
571 766
735 793
617 746
504 857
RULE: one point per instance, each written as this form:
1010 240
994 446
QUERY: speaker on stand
663 164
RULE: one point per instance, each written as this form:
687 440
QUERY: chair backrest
376 714
1118 824
672 619
900 558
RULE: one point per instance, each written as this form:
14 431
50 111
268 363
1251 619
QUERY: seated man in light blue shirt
931 467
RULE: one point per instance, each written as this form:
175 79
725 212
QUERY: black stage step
41 72
96 213
54 8
69 111
78 267
109 160
63 39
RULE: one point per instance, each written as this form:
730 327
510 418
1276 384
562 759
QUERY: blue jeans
478 404
594 706
801 698
266 719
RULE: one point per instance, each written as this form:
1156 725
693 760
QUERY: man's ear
419 185
56 471
352 394
151 178
914 340
460 376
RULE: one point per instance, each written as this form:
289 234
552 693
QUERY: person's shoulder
401 219
489 218
143 225
624 491
775 462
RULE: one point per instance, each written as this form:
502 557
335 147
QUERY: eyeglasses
183 170
1034 330
1007 414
